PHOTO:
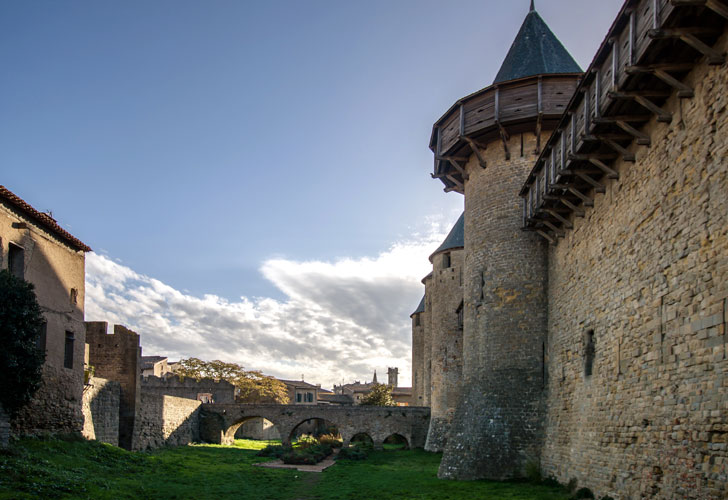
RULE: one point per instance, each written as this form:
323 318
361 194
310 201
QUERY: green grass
53 468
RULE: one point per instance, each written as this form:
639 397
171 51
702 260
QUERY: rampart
172 385
117 357
166 421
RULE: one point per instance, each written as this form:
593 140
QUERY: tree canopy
380 395
21 361
252 385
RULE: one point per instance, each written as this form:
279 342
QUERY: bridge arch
230 429
397 439
315 426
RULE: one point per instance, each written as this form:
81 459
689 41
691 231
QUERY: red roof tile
43 220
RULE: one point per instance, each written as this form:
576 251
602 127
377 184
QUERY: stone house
357 391
155 366
302 393
595 259
34 247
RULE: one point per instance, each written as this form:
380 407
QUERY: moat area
83 469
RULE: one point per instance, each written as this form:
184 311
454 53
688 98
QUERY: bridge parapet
218 422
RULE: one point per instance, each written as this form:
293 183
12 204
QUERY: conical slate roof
535 51
420 308
456 238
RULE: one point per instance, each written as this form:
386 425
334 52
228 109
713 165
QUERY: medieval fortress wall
594 343
646 270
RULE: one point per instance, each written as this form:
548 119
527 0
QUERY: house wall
55 269
446 292
101 399
647 271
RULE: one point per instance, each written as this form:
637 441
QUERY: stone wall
101 400
496 427
646 270
427 343
166 421
171 385
446 293
418 358
117 357
257 428
4 428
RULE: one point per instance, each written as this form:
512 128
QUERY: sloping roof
299 384
455 239
336 398
535 51
420 308
43 220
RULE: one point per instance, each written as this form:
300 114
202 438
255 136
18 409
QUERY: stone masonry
189 388
646 270
101 400
117 357
446 343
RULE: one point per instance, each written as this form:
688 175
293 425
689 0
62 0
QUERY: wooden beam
598 186
612 174
584 198
504 138
662 73
663 66
454 180
625 118
608 135
546 236
641 99
687 35
457 167
476 151
713 5
631 94
626 155
456 158
640 137
567 224
579 212
557 231
590 156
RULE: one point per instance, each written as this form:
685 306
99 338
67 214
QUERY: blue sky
227 148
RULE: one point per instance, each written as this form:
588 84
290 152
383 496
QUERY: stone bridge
219 422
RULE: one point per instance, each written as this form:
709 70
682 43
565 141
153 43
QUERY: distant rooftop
149 361
535 51
420 308
299 383
456 237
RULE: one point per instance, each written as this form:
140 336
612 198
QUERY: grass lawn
52 468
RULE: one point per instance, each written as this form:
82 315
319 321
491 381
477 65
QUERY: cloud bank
340 321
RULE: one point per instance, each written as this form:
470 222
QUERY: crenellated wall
189 388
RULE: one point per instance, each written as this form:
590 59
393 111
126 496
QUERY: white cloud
341 319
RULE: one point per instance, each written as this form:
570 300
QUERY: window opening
460 315
446 260
589 352
68 351
16 261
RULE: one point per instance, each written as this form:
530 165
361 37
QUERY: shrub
306 441
21 361
308 455
274 450
533 471
352 453
334 440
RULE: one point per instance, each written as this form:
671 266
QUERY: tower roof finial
532 7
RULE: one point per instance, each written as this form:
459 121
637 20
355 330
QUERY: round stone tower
418 355
447 334
485 147
426 341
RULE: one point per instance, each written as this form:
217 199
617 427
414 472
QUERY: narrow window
417 319
68 351
16 261
40 342
310 397
74 296
446 260
460 315
589 352
298 397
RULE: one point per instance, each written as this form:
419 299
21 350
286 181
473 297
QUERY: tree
380 395
21 361
253 386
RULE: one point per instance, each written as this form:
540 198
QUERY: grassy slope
62 469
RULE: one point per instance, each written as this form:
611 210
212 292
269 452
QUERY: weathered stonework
426 319
101 400
446 343
166 421
497 424
117 357
189 388
647 271
418 357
